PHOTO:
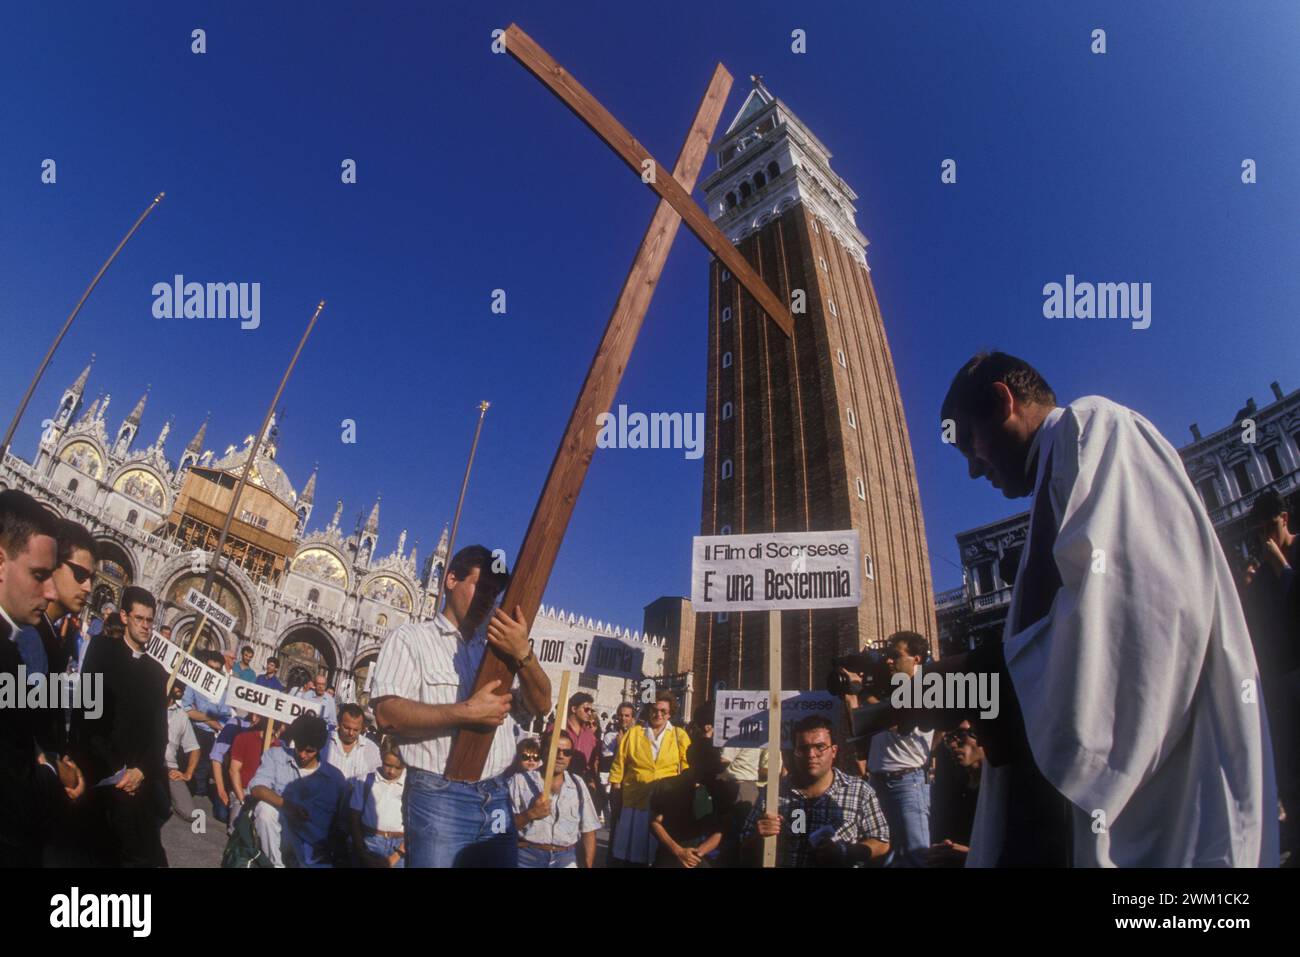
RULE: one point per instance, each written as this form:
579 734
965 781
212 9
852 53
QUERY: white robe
1139 689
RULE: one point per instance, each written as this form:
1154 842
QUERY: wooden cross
532 567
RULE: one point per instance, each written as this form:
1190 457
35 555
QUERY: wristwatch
520 662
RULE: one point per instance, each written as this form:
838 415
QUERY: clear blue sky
1119 167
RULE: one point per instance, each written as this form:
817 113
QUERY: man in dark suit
123 750
32 787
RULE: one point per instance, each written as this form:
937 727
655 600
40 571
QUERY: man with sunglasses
958 794
552 825
57 639
825 818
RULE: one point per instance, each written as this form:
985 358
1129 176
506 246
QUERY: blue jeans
455 824
906 803
536 857
384 846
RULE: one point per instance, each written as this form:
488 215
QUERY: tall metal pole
239 491
40 370
460 502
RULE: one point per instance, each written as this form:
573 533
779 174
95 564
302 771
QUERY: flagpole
211 575
40 370
460 502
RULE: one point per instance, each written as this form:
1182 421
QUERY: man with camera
898 759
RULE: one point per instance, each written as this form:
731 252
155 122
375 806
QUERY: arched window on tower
773 170
726 411
745 190
132 516
72 485
726 468
313 597
726 360
759 180
731 200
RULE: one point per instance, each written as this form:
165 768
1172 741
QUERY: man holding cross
422 693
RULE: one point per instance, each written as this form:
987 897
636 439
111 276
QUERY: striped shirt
431 663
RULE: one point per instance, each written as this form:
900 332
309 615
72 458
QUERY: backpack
242 849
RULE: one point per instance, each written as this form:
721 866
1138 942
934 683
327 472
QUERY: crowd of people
1127 690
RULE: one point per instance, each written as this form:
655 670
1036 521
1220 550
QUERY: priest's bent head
992 412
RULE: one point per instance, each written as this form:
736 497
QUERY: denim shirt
195 701
322 792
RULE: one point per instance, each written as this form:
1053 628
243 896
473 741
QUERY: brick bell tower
809 433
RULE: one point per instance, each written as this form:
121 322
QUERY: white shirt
656 739
381 808
357 763
431 663
180 735
891 751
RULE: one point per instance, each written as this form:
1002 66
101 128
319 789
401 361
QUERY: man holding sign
825 817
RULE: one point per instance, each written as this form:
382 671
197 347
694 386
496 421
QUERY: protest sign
211 684
776 571
256 699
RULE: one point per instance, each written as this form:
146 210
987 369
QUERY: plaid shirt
849 805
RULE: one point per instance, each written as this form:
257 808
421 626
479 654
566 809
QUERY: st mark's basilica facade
319 598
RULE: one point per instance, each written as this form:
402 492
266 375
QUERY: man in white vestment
1131 730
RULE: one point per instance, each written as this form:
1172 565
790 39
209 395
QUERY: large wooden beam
532 566
572 93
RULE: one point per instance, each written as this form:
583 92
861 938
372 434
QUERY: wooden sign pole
561 720
536 557
773 728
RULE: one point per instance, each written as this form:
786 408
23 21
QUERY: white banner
208 607
588 654
782 570
247 696
193 672
740 717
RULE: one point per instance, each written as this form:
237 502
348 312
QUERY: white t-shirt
898 752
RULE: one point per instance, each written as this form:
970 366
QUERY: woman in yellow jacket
646 753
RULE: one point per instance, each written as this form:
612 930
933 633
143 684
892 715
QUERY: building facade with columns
317 595
1229 467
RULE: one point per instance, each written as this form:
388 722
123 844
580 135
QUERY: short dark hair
1269 504
814 722
581 698
353 711
917 646
546 739
134 595
477 556
626 704
21 517
971 391
245 648
308 731
274 659
72 536
670 698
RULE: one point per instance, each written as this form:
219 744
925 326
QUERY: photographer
897 763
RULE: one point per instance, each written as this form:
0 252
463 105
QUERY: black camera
870 664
